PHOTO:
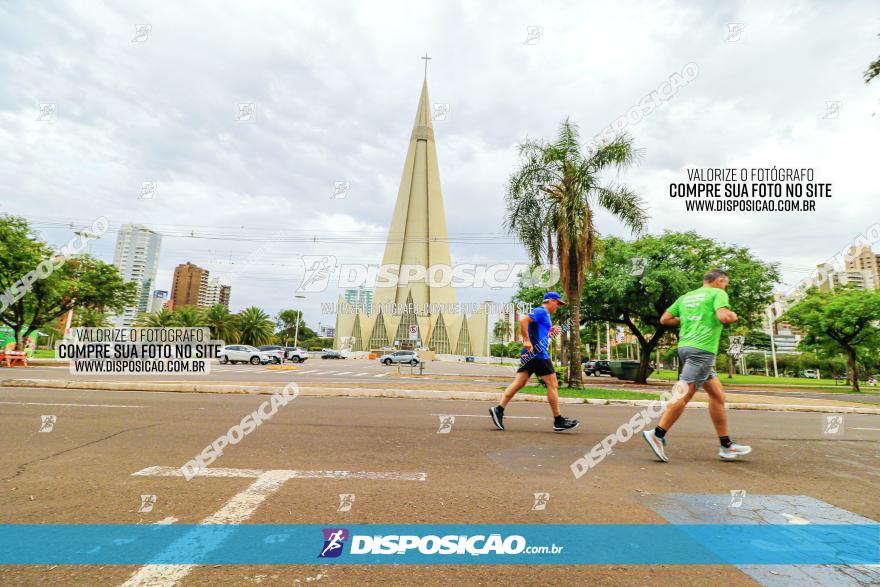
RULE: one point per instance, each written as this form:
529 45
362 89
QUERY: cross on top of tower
426 58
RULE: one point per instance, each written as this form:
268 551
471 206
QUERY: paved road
81 472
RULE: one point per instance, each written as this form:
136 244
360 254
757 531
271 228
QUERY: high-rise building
359 297
225 294
216 293
420 313
860 278
158 301
865 260
137 259
190 285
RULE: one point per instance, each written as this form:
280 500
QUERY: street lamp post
296 330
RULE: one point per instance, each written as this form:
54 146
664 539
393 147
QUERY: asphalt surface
81 472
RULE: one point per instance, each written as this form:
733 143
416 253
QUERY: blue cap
552 295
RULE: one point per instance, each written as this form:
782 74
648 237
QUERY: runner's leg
519 381
552 392
675 408
715 390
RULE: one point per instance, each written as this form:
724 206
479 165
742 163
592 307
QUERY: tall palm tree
551 199
161 319
254 326
221 323
502 330
189 317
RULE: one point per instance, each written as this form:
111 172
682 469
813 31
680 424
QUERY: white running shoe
734 451
657 444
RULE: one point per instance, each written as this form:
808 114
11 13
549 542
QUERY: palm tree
502 330
221 323
550 206
91 318
161 319
254 326
189 317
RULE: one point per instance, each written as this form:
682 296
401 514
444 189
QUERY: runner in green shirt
701 315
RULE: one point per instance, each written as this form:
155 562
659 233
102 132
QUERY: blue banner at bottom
457 544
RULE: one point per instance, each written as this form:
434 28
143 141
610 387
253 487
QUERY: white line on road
487 416
284 474
380 375
77 405
235 511
361 374
344 373
866 428
304 372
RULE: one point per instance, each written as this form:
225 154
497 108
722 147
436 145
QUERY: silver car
244 353
406 357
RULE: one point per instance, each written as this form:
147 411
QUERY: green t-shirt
700 327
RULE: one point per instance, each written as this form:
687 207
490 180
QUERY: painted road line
73 405
361 374
705 508
284 474
235 511
380 375
344 373
482 416
877 429
326 372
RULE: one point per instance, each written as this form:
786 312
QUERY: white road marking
344 373
380 375
284 474
77 405
487 416
235 511
326 372
866 428
304 372
361 374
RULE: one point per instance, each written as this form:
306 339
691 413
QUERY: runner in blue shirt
537 329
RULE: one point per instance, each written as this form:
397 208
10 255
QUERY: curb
396 393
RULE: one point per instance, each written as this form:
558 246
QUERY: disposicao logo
334 540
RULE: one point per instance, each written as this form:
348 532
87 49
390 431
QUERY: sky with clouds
335 87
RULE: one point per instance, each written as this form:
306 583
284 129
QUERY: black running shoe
497 416
561 424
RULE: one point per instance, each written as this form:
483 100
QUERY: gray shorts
697 365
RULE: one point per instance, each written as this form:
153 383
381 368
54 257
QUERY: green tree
254 326
844 320
60 284
873 70
164 318
502 330
189 317
221 322
90 318
633 283
551 201
287 329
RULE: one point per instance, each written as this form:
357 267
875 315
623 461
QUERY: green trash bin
626 370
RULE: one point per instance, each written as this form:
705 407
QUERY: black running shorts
537 366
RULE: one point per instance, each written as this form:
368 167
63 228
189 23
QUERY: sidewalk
744 402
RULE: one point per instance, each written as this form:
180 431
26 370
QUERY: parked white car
243 353
407 357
